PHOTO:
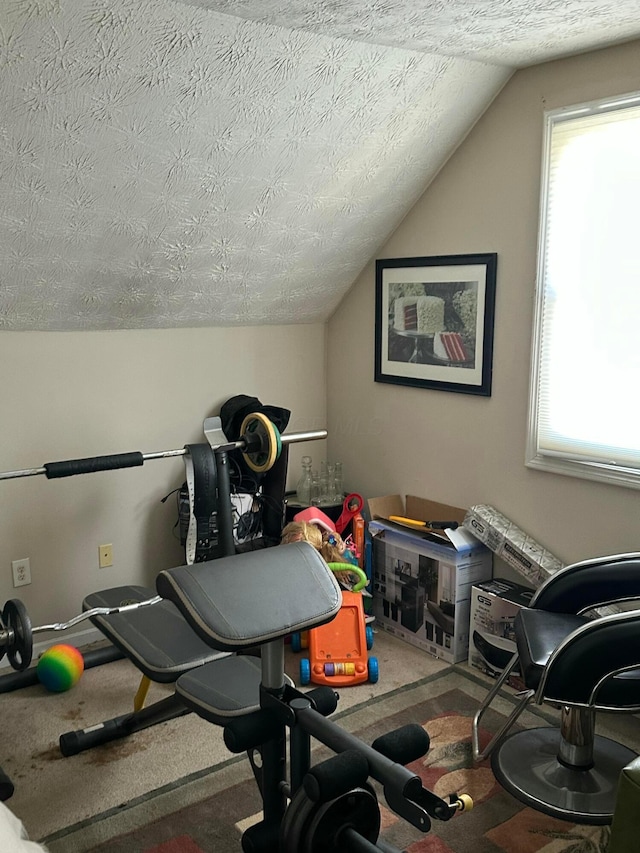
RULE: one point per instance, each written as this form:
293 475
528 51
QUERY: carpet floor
53 792
175 789
208 813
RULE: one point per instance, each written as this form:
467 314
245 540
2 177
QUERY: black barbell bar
250 444
260 444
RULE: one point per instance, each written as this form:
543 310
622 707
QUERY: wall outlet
21 572
105 556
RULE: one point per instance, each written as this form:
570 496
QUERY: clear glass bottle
328 487
303 488
338 493
323 484
315 489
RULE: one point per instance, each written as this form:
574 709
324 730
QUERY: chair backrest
580 586
582 663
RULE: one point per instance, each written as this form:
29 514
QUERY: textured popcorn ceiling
212 162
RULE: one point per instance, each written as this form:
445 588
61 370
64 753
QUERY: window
585 383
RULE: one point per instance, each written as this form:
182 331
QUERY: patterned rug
207 814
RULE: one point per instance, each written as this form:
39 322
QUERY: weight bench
256 599
161 644
158 640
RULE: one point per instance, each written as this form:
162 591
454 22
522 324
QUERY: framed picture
434 322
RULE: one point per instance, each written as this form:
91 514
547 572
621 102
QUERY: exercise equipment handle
403 790
403 745
71 467
96 611
16 631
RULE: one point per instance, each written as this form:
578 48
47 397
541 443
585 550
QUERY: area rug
207 813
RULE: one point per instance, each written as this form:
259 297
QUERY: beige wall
456 448
73 395
68 395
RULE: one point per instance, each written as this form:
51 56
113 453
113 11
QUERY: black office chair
579 652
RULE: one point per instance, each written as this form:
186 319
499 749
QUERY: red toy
338 650
351 507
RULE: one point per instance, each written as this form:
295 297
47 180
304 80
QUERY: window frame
559 462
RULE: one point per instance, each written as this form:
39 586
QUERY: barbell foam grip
323 699
249 731
336 776
71 467
403 745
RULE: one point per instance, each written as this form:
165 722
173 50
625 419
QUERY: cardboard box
422 577
530 559
494 605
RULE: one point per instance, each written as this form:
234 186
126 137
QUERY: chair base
527 766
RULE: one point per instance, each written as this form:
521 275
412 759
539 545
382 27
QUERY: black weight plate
295 821
310 827
17 622
3 638
357 809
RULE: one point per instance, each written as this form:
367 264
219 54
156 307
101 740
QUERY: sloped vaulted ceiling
210 163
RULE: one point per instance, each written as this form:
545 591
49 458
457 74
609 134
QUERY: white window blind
585 388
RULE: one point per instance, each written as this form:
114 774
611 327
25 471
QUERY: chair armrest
597 665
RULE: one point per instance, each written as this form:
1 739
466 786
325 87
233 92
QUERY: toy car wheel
369 633
373 670
296 642
305 671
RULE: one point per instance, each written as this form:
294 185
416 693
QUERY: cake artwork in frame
434 322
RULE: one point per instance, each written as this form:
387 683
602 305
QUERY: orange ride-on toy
338 650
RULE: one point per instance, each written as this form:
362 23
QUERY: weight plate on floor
17 623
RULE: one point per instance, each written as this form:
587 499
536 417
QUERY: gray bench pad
241 601
156 638
224 689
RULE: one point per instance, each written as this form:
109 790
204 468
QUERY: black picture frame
434 321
